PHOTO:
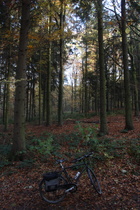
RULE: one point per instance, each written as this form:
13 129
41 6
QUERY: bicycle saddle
61 161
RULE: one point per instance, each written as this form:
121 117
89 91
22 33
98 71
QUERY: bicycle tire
94 181
55 196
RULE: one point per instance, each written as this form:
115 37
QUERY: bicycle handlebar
82 157
77 159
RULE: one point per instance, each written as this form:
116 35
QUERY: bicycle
55 185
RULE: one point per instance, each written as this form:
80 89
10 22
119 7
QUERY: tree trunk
39 92
61 72
85 82
7 76
19 112
72 97
7 98
103 121
128 108
134 73
48 110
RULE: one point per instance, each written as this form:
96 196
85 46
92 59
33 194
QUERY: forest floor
117 168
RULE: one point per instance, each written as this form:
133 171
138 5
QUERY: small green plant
4 153
86 132
25 164
43 146
134 149
89 135
111 147
77 115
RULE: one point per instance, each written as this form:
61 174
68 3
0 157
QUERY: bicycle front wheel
94 181
53 196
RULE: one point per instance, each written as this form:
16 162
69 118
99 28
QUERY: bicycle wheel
53 196
94 181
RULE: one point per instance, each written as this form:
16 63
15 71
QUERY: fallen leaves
119 177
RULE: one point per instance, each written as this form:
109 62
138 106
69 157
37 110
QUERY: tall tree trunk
128 108
72 97
39 91
85 82
83 89
44 102
20 93
7 68
133 68
48 110
33 105
103 121
61 72
7 98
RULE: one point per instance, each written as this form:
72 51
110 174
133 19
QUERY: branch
135 5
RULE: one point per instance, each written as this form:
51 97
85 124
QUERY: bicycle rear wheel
53 196
94 181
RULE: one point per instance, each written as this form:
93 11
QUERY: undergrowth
134 149
4 152
83 140
77 115
41 145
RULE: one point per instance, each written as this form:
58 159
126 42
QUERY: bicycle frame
68 177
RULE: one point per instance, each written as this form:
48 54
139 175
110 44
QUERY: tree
85 77
48 117
103 121
128 108
19 112
134 73
61 72
133 48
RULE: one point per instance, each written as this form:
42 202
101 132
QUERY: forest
70 84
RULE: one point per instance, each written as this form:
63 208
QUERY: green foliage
74 115
5 149
106 148
116 112
42 145
134 149
89 136
111 148
4 153
71 139
77 115
25 164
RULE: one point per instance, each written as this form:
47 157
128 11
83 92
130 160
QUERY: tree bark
85 82
128 109
103 121
19 112
48 110
136 92
61 72
39 91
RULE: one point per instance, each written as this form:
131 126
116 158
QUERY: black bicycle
55 185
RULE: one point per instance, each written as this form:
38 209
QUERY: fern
42 146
